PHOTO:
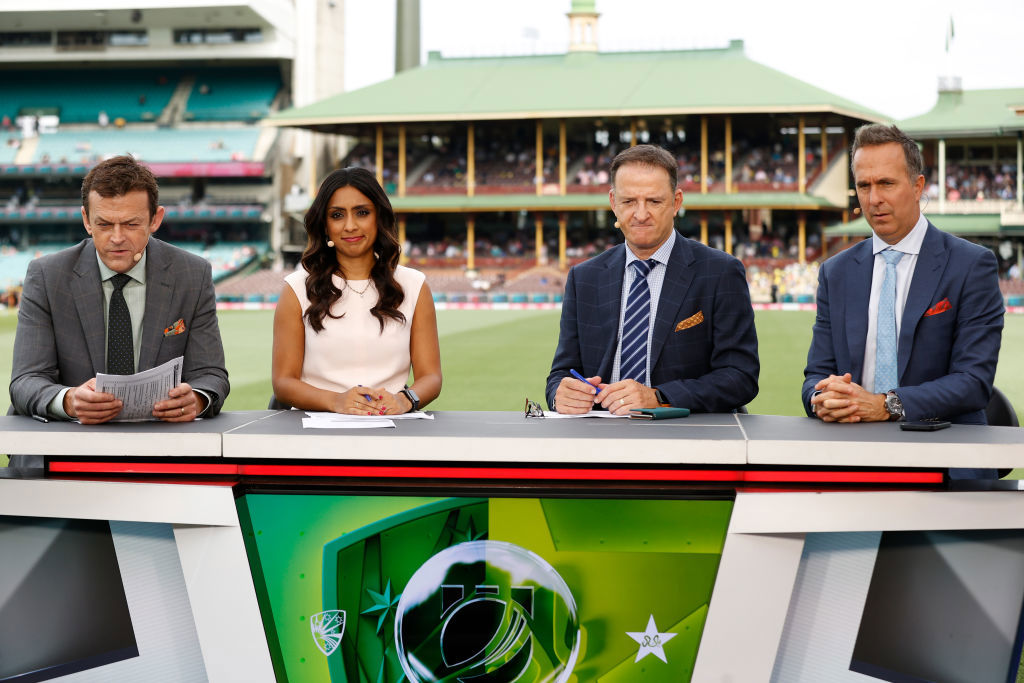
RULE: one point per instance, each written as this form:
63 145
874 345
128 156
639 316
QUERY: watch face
893 405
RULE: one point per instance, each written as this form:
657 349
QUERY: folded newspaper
140 391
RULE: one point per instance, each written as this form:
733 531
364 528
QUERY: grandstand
181 87
509 168
504 177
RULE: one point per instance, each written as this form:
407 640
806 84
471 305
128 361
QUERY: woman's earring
617 225
330 243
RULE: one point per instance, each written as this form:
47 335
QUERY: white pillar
942 175
1020 175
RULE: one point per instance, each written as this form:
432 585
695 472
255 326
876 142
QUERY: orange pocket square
940 307
177 327
694 320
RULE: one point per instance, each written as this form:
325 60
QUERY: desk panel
197 439
498 437
776 440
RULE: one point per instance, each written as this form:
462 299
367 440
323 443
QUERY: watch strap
414 400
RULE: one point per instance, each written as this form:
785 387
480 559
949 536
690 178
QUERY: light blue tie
633 356
885 342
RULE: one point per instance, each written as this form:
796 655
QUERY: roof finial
583 26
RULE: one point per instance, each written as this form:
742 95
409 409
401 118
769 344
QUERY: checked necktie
885 341
120 351
635 323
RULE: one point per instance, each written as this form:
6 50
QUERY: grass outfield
492 360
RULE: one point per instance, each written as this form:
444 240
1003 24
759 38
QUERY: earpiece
856 211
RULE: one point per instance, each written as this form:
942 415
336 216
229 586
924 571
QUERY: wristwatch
894 406
413 399
662 399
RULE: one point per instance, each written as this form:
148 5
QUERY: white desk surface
499 437
200 438
508 437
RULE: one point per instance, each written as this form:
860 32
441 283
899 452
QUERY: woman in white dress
351 322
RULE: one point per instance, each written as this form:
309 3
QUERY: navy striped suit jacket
707 366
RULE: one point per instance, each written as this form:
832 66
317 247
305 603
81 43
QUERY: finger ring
622 401
183 410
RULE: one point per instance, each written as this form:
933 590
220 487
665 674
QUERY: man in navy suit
945 307
659 320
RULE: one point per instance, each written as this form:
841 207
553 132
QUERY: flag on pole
949 33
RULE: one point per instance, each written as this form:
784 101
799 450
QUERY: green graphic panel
286 538
493 590
638 526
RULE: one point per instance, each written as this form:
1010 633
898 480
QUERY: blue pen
583 379
366 396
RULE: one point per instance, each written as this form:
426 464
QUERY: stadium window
25 38
219 36
81 40
128 38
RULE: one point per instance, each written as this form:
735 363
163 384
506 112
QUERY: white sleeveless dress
352 350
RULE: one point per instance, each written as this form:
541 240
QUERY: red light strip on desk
499 473
142 468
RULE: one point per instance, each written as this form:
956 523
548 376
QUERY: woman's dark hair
320 261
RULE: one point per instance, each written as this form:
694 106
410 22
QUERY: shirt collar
910 244
137 272
661 256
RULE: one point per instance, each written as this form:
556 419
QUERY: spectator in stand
351 322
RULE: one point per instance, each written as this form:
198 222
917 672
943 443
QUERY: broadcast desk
781 478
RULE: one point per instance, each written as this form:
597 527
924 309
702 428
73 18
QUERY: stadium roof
971 113
577 84
965 225
694 201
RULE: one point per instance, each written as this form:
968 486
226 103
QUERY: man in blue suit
909 322
659 320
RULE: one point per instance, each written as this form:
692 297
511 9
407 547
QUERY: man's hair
116 177
871 134
646 155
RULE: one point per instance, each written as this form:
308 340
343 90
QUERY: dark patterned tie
635 323
120 352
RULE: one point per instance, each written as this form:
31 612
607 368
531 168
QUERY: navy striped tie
635 323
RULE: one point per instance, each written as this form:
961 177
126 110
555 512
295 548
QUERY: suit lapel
931 263
678 277
858 294
87 292
609 296
159 297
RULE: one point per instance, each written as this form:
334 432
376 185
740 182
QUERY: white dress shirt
911 247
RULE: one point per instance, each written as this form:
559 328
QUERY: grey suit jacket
60 340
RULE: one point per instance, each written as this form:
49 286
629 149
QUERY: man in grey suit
117 303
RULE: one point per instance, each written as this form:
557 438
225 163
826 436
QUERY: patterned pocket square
940 307
694 320
176 328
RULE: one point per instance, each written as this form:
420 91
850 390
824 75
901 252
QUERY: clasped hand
95 407
370 401
843 400
573 397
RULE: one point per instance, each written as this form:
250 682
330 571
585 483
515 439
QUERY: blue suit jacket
947 354
708 366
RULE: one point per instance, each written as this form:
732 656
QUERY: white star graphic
651 641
